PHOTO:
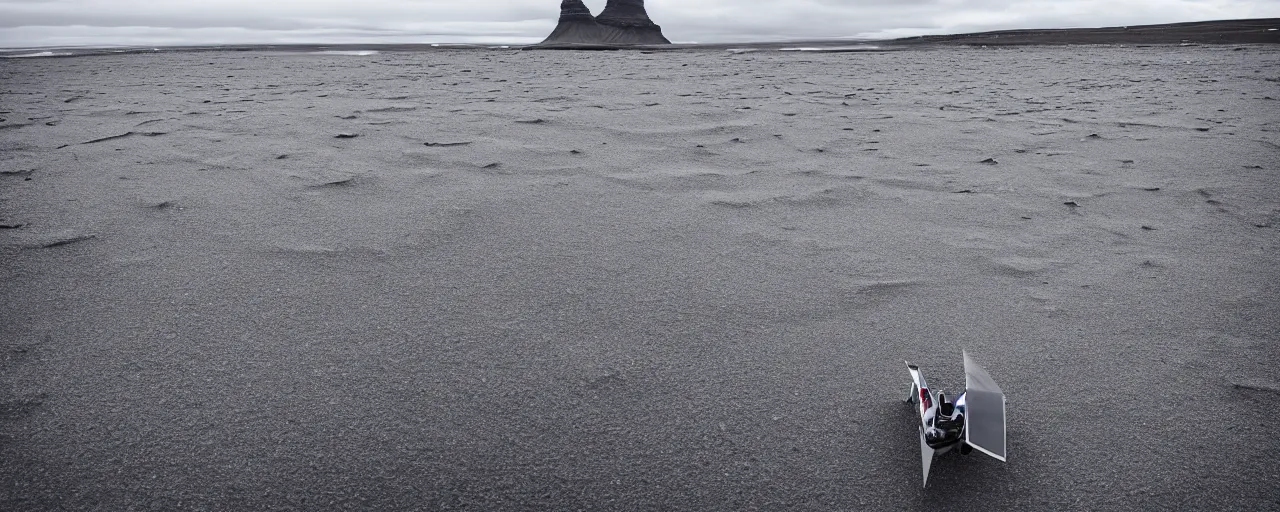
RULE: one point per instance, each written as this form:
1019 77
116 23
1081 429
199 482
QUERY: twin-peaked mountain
621 22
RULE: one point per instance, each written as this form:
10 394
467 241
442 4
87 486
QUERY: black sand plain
494 279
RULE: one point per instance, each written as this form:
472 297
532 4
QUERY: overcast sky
29 23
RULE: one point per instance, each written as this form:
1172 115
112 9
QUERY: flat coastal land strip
625 280
1248 31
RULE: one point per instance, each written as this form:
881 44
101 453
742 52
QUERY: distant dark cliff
575 11
625 13
621 22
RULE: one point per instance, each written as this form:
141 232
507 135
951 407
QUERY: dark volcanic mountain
621 22
625 13
575 10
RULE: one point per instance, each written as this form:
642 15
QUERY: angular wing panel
926 458
916 377
984 411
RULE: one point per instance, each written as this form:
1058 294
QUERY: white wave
37 54
831 48
360 53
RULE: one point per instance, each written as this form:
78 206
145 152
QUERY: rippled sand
679 280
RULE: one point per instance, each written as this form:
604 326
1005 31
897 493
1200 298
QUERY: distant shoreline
1252 31
1249 31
